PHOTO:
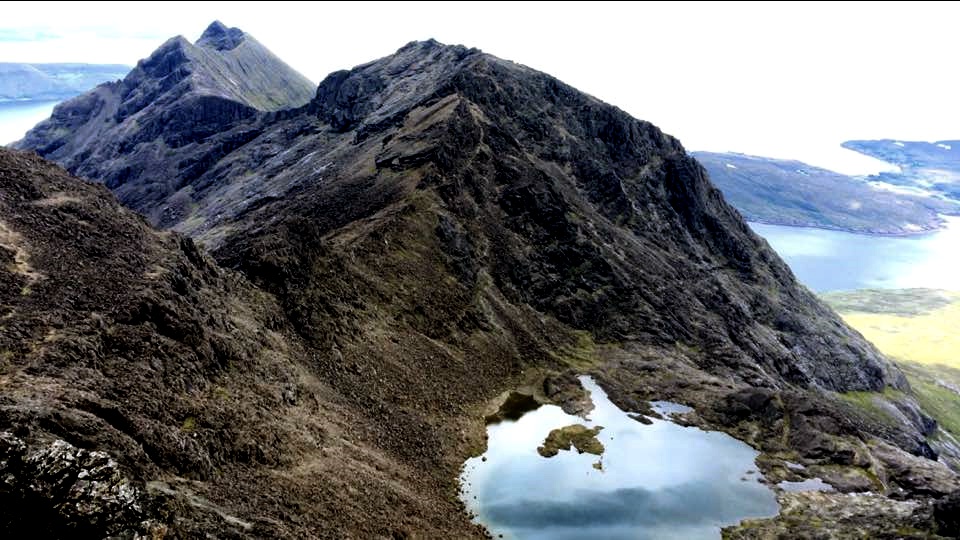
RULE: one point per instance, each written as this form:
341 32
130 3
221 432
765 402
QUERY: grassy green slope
920 329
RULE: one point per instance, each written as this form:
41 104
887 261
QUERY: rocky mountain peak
220 37
376 92
182 93
436 227
425 44
528 153
172 55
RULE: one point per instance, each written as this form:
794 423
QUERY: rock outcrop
145 391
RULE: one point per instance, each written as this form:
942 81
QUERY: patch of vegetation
938 392
902 302
916 327
578 436
905 324
581 354
877 405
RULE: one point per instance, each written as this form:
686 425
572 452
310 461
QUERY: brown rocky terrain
434 229
145 390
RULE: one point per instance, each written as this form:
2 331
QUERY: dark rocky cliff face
632 241
568 205
431 229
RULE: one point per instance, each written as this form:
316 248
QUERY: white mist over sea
17 117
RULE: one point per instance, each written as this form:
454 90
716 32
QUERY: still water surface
17 117
834 261
658 481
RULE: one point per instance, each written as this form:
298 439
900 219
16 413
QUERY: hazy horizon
786 80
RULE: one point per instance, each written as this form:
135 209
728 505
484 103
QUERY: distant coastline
31 100
923 230
26 82
791 193
946 223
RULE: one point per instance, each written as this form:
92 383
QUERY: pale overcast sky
780 79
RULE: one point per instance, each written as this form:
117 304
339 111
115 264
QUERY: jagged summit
182 94
220 37
427 44
383 89
226 63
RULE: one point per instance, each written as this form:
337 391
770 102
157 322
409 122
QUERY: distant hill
931 168
41 82
793 193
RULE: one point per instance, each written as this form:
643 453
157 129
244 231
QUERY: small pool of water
659 480
668 408
810 484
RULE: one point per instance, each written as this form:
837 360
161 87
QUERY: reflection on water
658 481
668 408
834 261
18 117
515 406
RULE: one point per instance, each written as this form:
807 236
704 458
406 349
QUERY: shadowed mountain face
499 185
431 229
127 134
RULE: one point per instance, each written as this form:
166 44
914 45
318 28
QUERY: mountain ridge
180 95
437 227
463 95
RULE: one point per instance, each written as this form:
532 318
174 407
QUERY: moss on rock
578 436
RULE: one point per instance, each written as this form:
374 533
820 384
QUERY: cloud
691 504
27 34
